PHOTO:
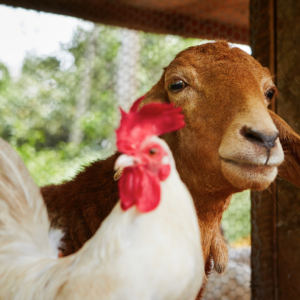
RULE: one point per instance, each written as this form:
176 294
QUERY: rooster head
146 158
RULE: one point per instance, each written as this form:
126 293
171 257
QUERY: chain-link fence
77 105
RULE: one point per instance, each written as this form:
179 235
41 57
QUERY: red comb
152 119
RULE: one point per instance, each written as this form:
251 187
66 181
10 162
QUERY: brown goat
229 144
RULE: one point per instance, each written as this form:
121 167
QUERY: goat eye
152 151
270 94
177 86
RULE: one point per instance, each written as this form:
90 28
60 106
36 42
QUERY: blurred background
61 81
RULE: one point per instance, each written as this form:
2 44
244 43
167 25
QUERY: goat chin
244 176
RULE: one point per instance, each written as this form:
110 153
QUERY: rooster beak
124 161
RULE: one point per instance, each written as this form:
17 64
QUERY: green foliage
4 78
236 220
56 165
40 103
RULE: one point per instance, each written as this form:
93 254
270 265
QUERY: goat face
230 141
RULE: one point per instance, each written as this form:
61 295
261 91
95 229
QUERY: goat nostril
259 138
253 135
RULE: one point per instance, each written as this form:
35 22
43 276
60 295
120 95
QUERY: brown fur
226 91
80 205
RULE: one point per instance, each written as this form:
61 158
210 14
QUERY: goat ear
290 141
158 93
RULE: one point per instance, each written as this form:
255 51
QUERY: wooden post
288 108
274 38
264 278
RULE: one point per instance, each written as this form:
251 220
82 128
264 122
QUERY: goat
231 143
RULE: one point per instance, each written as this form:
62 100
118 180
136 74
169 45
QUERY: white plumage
133 255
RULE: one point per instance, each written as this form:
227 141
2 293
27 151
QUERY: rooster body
145 256
140 252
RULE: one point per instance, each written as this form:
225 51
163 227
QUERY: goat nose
257 137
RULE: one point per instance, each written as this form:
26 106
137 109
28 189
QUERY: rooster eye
269 94
177 86
152 151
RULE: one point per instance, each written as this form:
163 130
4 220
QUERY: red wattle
164 172
139 187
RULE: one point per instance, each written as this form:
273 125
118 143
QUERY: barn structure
272 29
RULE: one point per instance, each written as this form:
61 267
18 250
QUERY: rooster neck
122 229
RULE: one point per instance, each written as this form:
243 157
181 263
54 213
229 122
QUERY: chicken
147 248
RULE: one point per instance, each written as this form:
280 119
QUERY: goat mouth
248 165
248 175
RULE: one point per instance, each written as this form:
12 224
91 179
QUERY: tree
85 83
39 108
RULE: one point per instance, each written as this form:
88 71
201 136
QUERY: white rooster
147 248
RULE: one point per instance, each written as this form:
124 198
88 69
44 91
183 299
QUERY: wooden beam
209 19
